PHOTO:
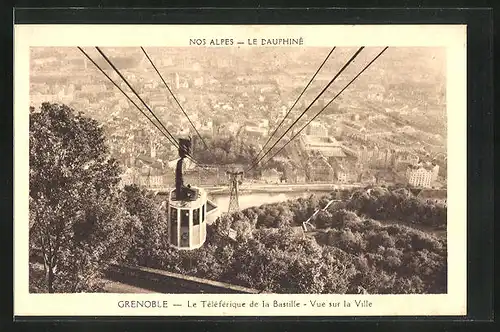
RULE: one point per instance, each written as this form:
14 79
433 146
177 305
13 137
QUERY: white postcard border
453 37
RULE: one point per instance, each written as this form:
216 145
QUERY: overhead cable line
125 94
338 94
171 93
172 141
176 144
308 107
295 103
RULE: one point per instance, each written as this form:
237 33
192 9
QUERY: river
256 199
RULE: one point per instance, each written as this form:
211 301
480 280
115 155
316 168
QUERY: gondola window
184 218
196 217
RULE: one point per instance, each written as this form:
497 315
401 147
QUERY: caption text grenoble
248 304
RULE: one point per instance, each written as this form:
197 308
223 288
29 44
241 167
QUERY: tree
323 219
243 229
148 231
305 276
221 226
76 216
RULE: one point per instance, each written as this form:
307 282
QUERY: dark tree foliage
147 230
348 253
77 220
400 205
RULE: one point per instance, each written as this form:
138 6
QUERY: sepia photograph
229 176
219 167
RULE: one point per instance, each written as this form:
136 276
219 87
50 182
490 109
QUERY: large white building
422 176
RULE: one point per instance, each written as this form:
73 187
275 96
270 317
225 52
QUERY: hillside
350 253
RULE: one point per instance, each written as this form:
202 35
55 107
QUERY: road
282 188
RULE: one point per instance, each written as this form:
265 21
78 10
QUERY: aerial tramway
189 209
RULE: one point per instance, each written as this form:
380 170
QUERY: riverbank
280 188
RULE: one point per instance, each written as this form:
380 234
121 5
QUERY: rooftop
255 129
427 167
329 146
320 140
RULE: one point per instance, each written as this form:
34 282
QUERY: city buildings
421 175
375 157
219 102
343 175
328 146
207 128
317 128
271 176
320 170
404 159
146 178
435 172
295 175
347 169
255 132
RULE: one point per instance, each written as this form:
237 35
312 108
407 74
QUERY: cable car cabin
188 209
187 219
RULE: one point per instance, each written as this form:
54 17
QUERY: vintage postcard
240 170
